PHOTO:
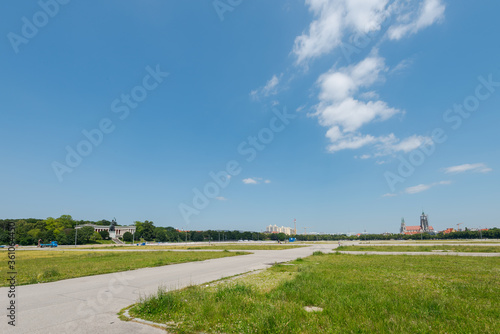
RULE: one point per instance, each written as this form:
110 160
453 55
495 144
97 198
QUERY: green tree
59 224
127 236
148 231
84 234
104 235
139 227
95 237
161 236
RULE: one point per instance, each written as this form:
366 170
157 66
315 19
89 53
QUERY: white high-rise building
283 229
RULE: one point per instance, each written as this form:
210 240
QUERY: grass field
358 294
48 266
440 241
423 248
213 247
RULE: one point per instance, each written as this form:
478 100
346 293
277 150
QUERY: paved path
90 304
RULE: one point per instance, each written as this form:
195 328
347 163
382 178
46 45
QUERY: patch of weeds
49 273
229 291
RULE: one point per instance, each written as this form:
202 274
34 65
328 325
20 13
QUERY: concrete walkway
90 304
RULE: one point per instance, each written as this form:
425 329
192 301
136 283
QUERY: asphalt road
90 304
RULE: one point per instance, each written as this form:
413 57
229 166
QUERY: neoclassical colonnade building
118 230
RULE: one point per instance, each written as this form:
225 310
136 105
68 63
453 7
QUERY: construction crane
458 227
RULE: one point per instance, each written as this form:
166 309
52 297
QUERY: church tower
424 224
403 226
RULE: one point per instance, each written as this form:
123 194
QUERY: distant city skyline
344 115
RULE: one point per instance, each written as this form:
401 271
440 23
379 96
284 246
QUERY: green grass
435 241
48 266
213 247
105 242
358 294
469 249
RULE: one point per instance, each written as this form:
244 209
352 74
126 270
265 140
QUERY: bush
104 235
95 236
127 236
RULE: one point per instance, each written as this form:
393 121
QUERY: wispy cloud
429 12
477 168
249 181
332 20
255 180
423 187
389 195
221 198
271 88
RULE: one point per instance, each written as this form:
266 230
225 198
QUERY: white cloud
352 114
410 143
346 102
417 189
332 19
369 95
390 144
389 195
410 20
478 168
255 180
402 65
249 181
351 142
337 85
271 88
423 187
338 108
221 198
345 115
300 108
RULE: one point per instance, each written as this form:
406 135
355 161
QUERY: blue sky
345 115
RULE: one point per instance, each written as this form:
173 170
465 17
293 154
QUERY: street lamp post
76 233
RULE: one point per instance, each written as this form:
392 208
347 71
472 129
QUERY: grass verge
358 294
48 266
213 247
468 249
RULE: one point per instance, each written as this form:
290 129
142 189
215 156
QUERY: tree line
62 229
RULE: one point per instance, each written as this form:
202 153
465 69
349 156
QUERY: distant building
423 228
118 232
283 229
